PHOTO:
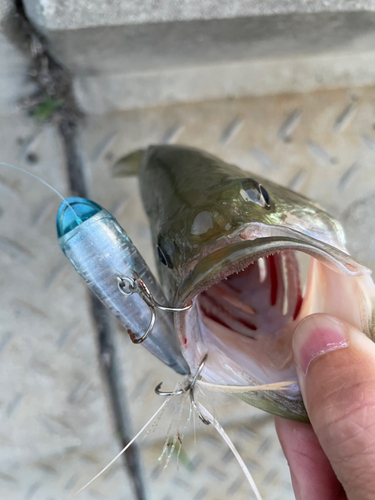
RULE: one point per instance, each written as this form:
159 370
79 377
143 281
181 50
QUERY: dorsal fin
128 165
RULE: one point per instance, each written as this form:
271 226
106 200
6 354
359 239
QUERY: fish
235 245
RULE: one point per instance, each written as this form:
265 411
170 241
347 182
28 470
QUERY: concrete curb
53 15
139 54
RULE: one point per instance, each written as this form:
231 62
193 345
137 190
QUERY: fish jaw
240 319
209 220
196 202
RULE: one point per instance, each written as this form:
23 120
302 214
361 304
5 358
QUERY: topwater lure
103 254
229 242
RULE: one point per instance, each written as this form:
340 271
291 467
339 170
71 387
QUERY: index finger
312 475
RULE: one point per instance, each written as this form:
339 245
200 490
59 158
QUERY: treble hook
167 394
188 388
128 286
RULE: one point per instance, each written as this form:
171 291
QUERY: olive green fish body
231 242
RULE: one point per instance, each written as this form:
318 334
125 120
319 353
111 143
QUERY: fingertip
316 335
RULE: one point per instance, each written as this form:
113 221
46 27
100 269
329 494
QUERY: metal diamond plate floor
56 430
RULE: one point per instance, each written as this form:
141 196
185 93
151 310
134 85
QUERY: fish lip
235 257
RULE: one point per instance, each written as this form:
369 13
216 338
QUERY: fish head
196 202
236 246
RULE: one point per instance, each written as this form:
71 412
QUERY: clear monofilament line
227 439
123 450
183 435
79 221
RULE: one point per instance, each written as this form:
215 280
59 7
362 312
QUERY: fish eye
161 256
255 192
265 196
164 258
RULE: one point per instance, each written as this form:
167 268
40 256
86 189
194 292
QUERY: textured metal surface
56 430
321 145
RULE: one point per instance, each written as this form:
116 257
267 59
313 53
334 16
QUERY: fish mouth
248 298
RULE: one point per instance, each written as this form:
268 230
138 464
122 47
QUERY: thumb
336 371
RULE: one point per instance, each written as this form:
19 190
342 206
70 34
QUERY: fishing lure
103 254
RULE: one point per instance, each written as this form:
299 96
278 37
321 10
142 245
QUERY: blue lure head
72 212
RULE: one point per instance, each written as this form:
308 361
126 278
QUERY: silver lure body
101 251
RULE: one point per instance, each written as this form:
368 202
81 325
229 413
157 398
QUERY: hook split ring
128 286
188 388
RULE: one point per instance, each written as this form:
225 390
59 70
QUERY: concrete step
138 54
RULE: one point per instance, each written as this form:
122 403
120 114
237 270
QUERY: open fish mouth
249 297
255 258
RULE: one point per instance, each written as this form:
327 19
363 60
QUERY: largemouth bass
230 242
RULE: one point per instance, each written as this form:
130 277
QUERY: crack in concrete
54 101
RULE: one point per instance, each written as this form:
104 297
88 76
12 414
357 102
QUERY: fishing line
78 220
183 435
210 418
124 449
227 439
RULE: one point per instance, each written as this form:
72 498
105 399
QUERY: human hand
334 458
